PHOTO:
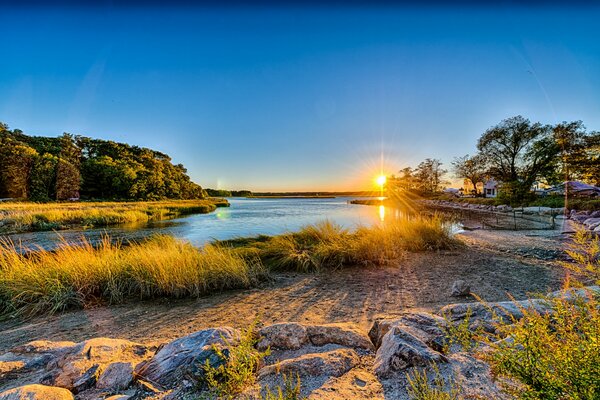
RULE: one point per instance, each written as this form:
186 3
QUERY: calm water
245 217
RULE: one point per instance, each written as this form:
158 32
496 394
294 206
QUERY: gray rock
184 356
460 288
426 327
332 363
36 392
116 376
284 336
87 380
346 335
400 349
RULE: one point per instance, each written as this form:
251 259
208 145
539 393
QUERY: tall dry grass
83 275
25 216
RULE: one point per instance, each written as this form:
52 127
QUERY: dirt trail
494 263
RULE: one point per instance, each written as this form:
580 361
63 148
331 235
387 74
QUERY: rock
45 346
460 288
185 356
118 397
87 380
426 327
116 376
357 384
591 223
332 363
504 311
345 335
284 336
74 364
537 210
400 349
474 377
36 392
595 214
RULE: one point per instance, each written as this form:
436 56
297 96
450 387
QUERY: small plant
420 387
460 333
239 364
585 252
290 391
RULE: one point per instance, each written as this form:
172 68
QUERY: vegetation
218 192
420 387
23 216
43 169
328 246
236 371
290 390
80 275
459 333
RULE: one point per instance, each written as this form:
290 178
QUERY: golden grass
25 216
82 275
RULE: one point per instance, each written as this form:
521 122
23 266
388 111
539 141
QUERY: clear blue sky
296 98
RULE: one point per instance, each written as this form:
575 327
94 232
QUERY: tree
68 177
429 175
472 168
579 151
519 153
42 179
16 160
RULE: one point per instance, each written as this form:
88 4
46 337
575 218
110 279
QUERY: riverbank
30 217
496 264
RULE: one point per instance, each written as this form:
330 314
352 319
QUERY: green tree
68 176
429 175
518 153
42 179
472 168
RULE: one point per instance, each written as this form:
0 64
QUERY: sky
297 98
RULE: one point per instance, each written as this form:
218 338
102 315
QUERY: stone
400 349
595 214
76 363
426 327
332 363
185 356
346 335
36 392
116 376
283 336
591 223
357 384
504 311
118 397
87 380
460 288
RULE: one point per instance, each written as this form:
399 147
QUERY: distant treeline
248 193
228 193
66 167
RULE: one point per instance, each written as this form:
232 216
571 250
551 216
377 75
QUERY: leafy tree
42 179
16 160
519 153
472 168
68 177
429 175
579 151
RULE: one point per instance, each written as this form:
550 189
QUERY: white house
490 188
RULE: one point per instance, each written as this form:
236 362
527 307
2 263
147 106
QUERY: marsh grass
25 216
82 275
327 245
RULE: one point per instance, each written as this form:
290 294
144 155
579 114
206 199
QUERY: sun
381 179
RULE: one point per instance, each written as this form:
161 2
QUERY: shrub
240 363
420 387
290 391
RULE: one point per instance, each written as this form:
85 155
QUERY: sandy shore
494 263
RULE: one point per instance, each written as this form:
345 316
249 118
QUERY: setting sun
381 179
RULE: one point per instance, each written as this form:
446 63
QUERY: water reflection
245 217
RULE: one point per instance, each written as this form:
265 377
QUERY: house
490 188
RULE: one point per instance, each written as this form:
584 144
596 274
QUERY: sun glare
381 180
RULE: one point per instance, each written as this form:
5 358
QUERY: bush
420 387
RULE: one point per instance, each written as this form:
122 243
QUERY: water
245 217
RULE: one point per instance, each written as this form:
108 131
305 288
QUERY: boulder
504 311
426 327
332 363
591 223
595 214
460 288
116 376
80 365
400 349
185 356
36 392
283 336
346 335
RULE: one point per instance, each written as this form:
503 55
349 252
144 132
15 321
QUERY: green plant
585 252
237 371
290 391
460 333
422 387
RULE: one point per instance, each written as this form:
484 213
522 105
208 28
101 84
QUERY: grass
82 275
26 216
420 387
327 246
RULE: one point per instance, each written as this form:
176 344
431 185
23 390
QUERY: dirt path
494 263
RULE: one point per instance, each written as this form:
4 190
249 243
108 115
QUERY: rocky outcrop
332 361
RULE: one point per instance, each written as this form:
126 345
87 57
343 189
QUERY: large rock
80 365
185 356
284 336
400 349
331 363
116 376
346 335
36 392
460 288
591 223
424 326
504 311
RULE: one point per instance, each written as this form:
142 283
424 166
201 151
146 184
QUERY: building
490 188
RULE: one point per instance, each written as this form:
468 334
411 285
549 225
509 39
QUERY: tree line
516 153
74 166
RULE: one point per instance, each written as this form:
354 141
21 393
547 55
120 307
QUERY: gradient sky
296 98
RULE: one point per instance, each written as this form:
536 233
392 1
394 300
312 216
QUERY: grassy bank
574 203
82 275
25 216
